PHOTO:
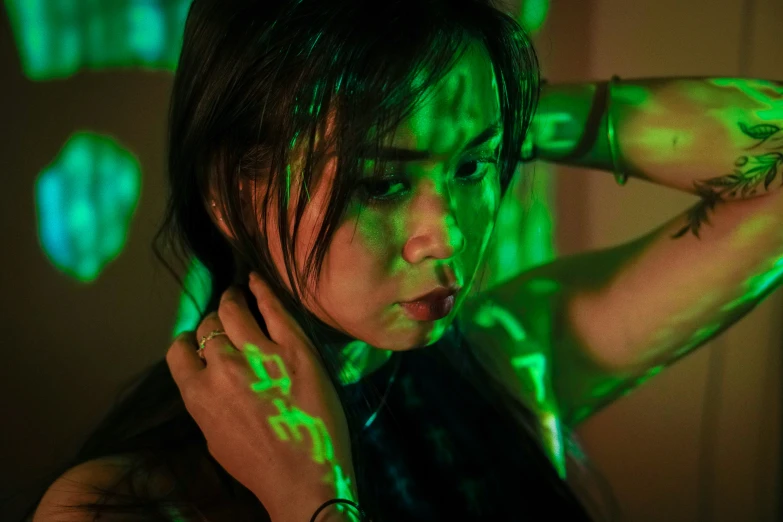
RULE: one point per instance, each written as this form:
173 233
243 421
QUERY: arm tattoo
749 172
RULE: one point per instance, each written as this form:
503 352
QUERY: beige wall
68 346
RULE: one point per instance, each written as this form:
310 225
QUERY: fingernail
228 293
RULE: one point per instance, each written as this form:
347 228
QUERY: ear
216 209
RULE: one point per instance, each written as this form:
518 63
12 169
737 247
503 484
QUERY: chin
432 335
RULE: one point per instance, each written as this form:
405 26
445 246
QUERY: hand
252 397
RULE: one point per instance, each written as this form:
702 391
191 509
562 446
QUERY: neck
358 359
361 360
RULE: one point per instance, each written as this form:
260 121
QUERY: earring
214 208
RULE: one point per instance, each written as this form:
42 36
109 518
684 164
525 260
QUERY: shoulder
510 334
514 315
81 484
513 326
512 329
86 482
149 479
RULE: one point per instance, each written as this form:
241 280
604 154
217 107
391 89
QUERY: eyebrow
401 155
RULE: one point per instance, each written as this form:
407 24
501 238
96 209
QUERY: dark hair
255 77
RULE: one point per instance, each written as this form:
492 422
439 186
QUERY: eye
475 170
381 190
386 191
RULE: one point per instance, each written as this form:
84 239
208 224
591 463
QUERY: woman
322 377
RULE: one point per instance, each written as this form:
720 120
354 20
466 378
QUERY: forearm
719 135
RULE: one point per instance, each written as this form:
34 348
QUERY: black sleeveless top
437 450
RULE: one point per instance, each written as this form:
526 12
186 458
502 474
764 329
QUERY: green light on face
84 204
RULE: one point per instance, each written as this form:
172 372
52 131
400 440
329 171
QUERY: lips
438 294
428 310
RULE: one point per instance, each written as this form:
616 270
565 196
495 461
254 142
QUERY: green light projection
756 287
198 282
755 89
86 198
83 215
525 232
84 204
530 367
533 14
291 419
57 38
558 132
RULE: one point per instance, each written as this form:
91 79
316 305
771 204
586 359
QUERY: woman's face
431 231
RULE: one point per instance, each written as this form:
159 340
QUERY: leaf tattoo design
762 131
749 173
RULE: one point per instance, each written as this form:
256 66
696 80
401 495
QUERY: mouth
437 294
432 305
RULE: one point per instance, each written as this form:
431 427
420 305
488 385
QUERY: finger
259 350
182 359
278 321
240 324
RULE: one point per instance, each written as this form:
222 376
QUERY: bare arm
622 314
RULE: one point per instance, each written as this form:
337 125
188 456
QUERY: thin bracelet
335 501
620 177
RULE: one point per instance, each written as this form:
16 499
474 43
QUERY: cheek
356 262
354 280
478 210
374 233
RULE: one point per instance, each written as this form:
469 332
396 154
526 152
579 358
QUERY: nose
435 232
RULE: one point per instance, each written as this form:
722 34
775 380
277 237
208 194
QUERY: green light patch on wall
84 202
56 38
198 281
534 14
